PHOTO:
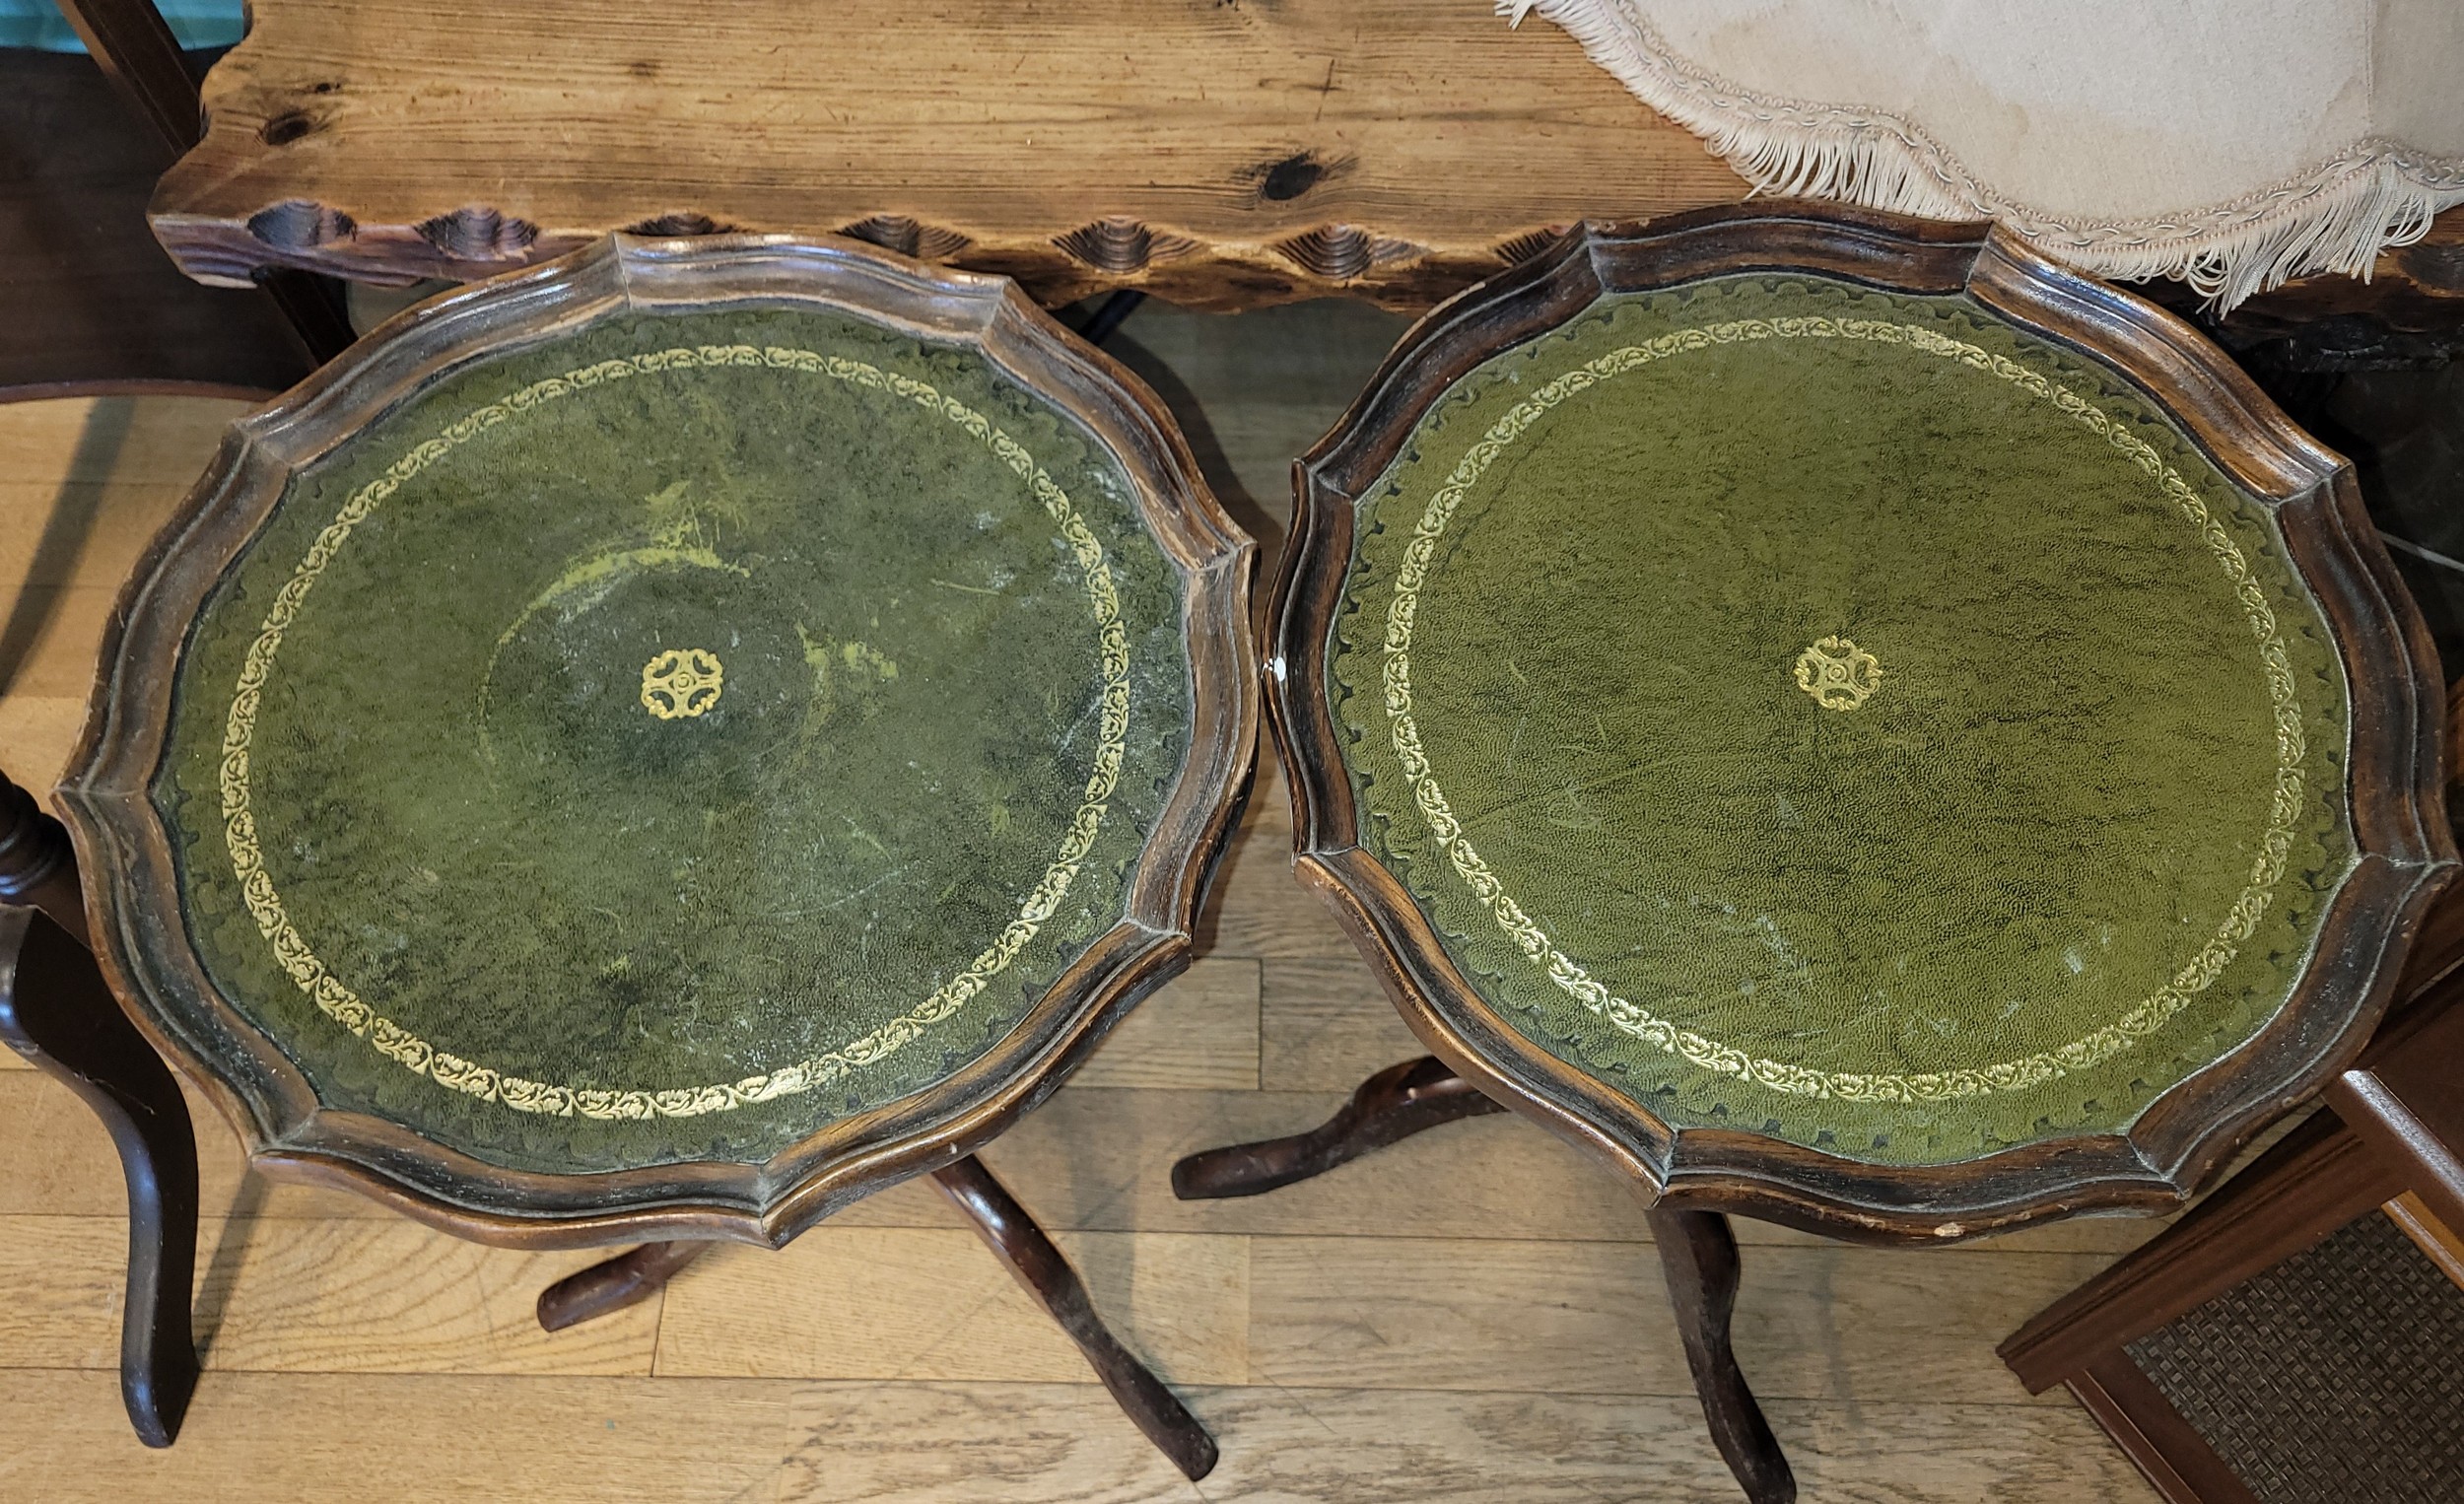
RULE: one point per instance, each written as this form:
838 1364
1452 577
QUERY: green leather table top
662 740
1844 717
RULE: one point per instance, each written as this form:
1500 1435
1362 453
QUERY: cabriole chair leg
56 1010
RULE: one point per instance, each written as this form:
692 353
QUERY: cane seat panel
1844 716
660 740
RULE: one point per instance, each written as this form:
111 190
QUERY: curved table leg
1698 1256
628 1280
57 1011
1046 1275
1394 1104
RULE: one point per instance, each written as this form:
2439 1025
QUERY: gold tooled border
1711 1055
336 1000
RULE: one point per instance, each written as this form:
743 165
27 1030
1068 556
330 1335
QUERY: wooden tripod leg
1394 1104
1698 1256
628 1280
1046 1275
56 1010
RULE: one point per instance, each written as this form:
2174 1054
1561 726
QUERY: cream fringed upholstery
2234 143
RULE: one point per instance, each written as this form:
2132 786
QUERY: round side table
1855 724
661 746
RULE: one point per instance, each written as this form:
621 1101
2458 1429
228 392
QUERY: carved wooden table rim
58 937
1690 1181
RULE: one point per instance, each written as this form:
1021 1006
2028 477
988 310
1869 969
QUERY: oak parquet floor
1475 1315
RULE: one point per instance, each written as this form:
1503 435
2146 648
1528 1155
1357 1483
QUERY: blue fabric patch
39 24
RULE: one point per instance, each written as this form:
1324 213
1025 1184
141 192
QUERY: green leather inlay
660 741
1844 717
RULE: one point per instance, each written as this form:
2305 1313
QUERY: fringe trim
2337 217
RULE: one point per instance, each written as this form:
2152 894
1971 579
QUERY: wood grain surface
82 485
1221 151
1474 1314
747 1441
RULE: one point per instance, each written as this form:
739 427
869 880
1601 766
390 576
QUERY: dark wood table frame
1690 1178
56 1008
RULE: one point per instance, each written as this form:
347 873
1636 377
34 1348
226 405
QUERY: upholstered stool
1855 724
665 745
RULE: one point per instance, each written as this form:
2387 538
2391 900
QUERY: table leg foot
627 1280
1046 1275
1698 1256
1394 1104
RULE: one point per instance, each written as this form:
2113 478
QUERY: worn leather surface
2071 844
555 917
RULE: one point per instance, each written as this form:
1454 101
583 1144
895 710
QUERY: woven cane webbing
2332 1377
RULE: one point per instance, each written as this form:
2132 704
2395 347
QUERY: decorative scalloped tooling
478 234
1529 243
680 223
1121 245
896 232
1341 253
300 224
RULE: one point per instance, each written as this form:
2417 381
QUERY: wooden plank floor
1475 1315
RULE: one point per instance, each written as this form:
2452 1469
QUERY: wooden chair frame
2387 1137
92 306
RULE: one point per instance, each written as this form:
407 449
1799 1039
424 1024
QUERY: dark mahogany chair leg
628 1280
1394 1104
38 867
1047 1275
1698 1257
57 1011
